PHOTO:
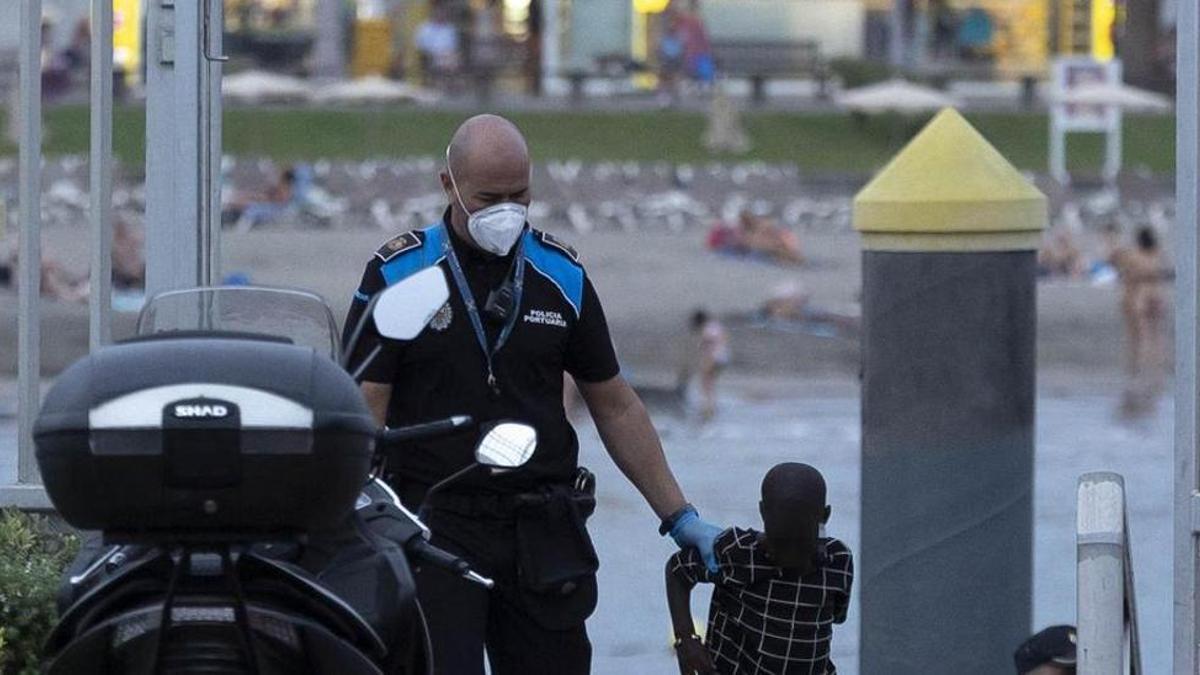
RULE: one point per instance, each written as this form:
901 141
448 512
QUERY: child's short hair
794 482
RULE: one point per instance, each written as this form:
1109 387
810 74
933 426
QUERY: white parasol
896 95
371 90
257 86
1115 94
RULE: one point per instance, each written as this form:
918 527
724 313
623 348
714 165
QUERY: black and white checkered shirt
765 619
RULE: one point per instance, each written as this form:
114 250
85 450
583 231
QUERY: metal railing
1106 604
27 491
29 311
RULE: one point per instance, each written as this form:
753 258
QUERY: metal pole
177 66
210 153
896 38
1058 148
1114 138
1187 191
1100 575
551 44
329 59
100 182
1131 611
30 157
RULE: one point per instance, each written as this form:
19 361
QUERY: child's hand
693 657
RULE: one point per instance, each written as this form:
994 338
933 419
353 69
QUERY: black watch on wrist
669 522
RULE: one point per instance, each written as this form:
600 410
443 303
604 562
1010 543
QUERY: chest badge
441 320
545 317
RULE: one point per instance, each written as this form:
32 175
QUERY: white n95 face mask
495 228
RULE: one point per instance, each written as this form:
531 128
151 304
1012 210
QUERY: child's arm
692 654
843 562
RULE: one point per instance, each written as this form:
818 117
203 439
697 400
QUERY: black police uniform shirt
560 327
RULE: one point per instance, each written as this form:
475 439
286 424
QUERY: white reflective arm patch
144 409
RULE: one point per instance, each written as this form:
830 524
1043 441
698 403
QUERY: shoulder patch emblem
550 240
397 245
441 320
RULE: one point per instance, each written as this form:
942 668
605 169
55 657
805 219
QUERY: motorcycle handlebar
427 553
419 432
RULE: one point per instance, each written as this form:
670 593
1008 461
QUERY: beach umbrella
257 86
373 90
1115 94
897 95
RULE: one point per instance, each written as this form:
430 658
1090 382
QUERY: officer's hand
693 657
690 530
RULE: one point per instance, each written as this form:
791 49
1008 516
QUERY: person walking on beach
712 355
1144 310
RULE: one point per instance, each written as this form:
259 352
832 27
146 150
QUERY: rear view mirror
404 309
507 445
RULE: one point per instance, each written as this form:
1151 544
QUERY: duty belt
506 505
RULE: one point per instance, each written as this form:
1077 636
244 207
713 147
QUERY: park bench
761 60
615 67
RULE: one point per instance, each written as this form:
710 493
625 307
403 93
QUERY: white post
1187 190
182 73
1058 148
329 61
210 154
1100 543
1113 149
100 182
551 46
30 157
897 40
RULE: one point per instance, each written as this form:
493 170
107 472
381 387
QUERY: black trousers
465 618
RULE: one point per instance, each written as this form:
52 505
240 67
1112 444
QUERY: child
711 359
776 594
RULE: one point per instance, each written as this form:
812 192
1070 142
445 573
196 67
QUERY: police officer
522 312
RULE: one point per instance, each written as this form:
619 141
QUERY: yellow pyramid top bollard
950 190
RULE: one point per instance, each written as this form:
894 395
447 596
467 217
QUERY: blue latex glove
690 530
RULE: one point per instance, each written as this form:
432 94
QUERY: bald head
487 163
487 142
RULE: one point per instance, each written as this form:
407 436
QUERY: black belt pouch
556 561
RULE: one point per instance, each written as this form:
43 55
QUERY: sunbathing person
757 236
128 261
1060 256
56 282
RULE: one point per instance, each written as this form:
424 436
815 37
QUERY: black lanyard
464 291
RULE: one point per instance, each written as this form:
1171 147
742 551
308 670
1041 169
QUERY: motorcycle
231 468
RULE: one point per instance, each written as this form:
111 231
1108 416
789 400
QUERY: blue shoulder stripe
408 263
557 267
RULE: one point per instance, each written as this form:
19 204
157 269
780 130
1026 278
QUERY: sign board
1069 74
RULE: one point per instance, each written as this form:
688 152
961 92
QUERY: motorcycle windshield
298 316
